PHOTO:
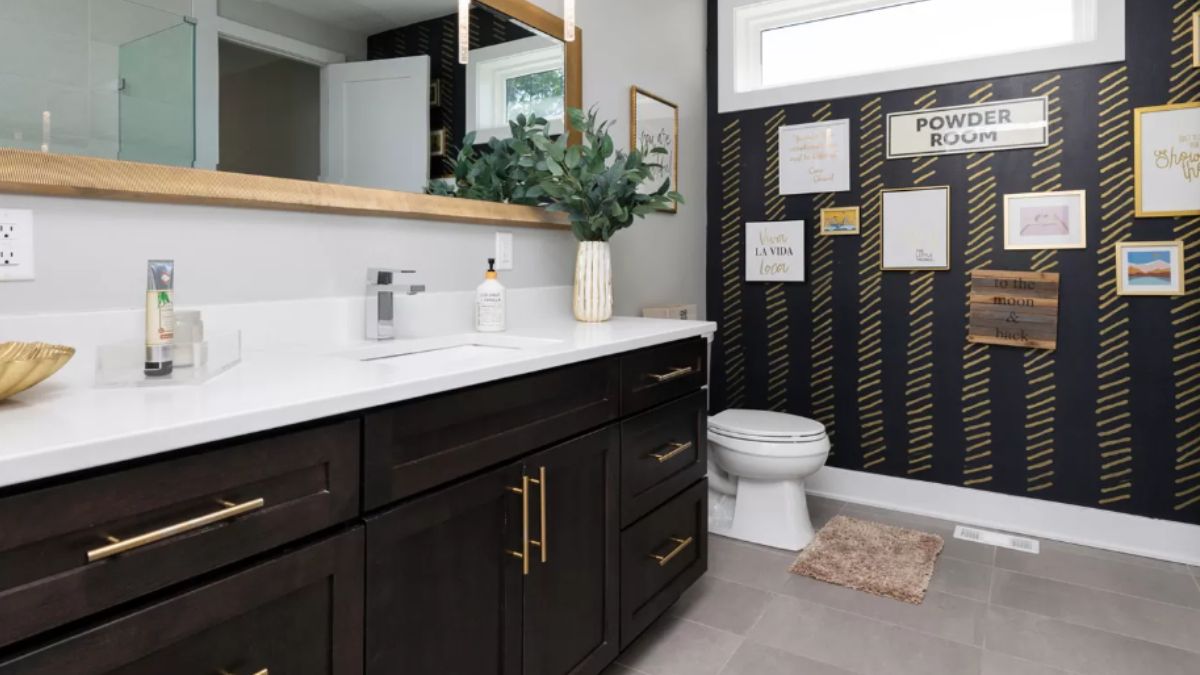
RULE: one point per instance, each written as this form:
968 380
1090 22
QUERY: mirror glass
356 92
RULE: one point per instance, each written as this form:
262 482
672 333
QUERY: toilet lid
765 425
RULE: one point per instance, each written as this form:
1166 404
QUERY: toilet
758 462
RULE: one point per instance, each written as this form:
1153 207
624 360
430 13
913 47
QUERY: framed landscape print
655 124
1150 268
916 229
840 220
1166 167
1042 220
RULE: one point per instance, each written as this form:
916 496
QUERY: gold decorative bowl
24 364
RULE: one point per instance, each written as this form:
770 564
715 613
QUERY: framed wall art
1166 142
655 123
840 220
775 251
814 158
916 229
1044 220
1150 268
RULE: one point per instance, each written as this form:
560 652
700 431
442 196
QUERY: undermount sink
452 349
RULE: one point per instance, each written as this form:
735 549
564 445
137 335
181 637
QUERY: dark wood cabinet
297 614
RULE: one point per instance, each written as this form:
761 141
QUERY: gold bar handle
540 481
673 374
119 546
675 450
523 554
681 544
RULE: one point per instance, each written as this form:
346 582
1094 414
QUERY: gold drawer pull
674 374
523 554
681 544
541 542
675 450
264 671
119 546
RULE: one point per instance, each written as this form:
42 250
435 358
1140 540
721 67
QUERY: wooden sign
1015 309
995 125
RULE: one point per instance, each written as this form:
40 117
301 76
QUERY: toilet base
771 513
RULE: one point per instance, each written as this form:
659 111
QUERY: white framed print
1166 160
1044 220
775 251
1150 268
814 158
916 229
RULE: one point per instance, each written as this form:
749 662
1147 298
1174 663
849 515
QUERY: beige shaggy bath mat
879 559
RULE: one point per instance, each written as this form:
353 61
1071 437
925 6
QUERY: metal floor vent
1023 544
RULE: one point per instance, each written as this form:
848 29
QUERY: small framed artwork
814 157
656 125
1166 163
437 143
1150 268
916 229
840 220
1042 220
775 251
435 93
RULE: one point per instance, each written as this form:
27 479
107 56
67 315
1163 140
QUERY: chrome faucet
381 300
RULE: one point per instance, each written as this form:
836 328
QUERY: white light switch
16 245
504 250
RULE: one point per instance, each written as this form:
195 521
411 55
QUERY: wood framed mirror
336 106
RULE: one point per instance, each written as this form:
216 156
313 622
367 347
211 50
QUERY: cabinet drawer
659 374
299 614
415 446
661 556
663 451
72 550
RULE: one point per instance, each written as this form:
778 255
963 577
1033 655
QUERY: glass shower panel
158 97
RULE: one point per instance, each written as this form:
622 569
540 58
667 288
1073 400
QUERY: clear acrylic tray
123 364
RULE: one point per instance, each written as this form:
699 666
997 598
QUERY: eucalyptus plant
505 170
596 185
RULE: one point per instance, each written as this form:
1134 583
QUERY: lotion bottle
490 302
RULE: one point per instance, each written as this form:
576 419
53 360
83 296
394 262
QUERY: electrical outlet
504 250
16 245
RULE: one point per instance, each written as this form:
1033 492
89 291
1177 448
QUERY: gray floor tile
1114 556
1105 574
747 564
940 615
722 604
859 644
678 647
1123 614
756 659
954 548
1081 649
995 663
618 669
822 509
961 577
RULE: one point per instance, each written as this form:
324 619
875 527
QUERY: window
787 51
539 94
506 80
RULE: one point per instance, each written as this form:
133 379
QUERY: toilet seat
766 427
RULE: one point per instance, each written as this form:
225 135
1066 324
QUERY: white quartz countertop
54 429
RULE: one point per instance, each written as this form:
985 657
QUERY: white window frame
488 73
740 24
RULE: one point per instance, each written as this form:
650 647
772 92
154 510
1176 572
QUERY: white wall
91 254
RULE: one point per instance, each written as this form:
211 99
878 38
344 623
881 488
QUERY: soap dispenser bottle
490 302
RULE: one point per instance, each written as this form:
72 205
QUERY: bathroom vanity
533 523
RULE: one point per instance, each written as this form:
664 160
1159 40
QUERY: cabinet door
571 593
443 588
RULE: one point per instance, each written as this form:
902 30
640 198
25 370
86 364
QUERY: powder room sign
775 251
1015 309
1000 125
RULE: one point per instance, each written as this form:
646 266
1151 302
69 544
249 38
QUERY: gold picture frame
827 215
883 230
1009 199
437 143
1138 179
37 173
634 92
1178 257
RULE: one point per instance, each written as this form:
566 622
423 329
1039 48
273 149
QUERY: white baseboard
1136 535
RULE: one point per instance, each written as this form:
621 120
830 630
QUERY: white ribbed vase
593 282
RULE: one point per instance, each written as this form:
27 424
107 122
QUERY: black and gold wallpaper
1110 420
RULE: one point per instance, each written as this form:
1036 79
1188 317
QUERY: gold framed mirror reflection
63 173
